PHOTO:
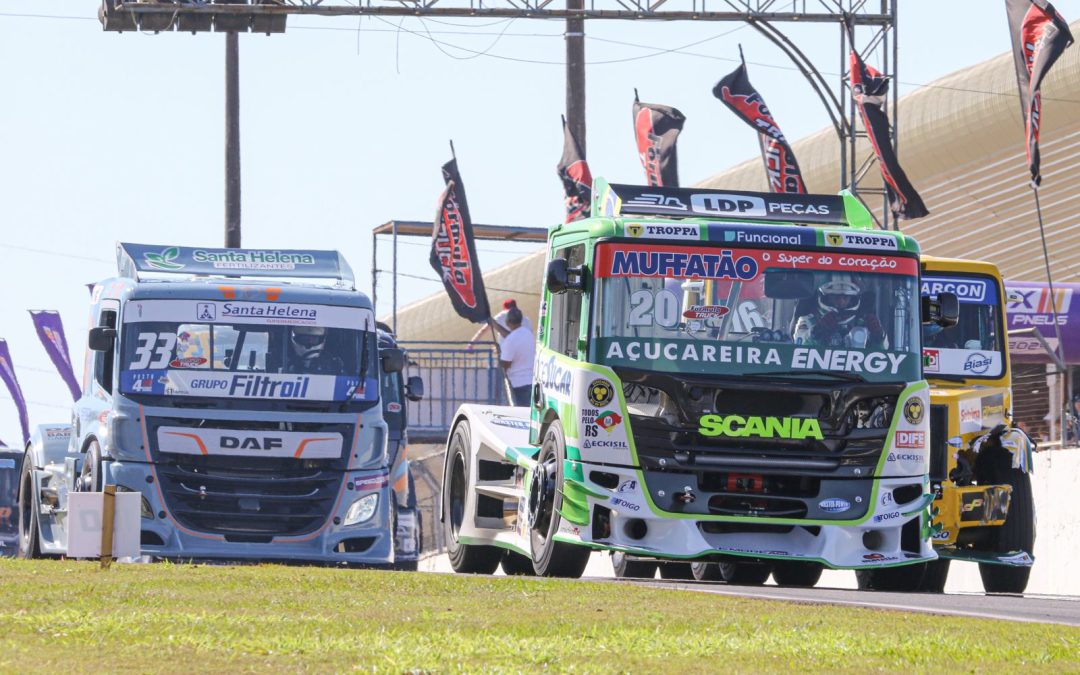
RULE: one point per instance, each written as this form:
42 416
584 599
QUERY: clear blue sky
107 137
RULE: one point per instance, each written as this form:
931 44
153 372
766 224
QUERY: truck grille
249 499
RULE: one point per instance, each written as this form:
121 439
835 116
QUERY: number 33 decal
153 351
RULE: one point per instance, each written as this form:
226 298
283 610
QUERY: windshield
248 350
973 347
695 309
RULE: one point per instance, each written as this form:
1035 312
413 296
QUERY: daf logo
250 443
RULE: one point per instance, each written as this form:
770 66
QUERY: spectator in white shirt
517 354
500 319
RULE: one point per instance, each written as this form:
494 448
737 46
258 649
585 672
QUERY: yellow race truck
980 466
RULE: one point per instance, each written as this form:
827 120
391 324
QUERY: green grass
73 616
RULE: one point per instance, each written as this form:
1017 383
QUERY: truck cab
979 465
727 384
238 392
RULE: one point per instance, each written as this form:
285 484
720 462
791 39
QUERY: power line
42 251
439 281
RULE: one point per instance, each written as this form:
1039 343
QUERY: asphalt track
1029 608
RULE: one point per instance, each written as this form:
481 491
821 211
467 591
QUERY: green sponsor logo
737 426
164 260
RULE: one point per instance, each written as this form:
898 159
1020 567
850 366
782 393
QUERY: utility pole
232 140
575 74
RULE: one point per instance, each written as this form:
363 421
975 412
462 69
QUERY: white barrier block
84 524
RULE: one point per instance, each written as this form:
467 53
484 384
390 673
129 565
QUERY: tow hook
687 496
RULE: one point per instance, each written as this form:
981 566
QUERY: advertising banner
453 250
50 331
1039 36
575 176
736 92
7 374
1028 306
656 131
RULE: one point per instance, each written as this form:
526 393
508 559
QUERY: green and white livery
727 384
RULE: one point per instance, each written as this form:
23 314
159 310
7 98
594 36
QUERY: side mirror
393 360
558 275
944 311
414 388
102 338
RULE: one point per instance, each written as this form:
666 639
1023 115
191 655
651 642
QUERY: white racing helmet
840 296
308 341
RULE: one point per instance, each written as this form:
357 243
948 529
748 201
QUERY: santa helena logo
164 260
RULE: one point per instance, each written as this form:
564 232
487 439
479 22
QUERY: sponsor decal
371 482
165 260
254 260
671 264
664 231
887 498
910 439
608 420
931 360
628 486
969 290
202 441
683 351
58 432
188 362
553 377
600 392
970 506
763 235
861 240
970 415
940 536
655 201
393 407
245 312
834 505
993 409
510 422
604 444
904 457
729 205
913 410
882 517
205 311
705 312
1039 301
618 501
737 426
977 363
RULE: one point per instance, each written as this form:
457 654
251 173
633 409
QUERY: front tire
1018 533
551 558
796 573
627 568
464 558
515 564
904 579
706 571
29 539
90 472
937 573
676 570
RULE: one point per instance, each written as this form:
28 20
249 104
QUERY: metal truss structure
871 24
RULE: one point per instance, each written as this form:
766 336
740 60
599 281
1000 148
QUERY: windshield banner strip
267 386
238 312
695 356
642 260
967 289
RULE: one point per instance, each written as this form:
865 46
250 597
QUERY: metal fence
453 374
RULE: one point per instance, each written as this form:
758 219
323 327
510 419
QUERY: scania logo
737 426
250 443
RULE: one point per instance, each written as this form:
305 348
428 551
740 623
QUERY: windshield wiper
816 372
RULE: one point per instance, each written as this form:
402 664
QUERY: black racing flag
576 177
453 251
869 88
736 92
656 128
1039 36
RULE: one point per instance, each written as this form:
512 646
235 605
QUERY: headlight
362 509
144 507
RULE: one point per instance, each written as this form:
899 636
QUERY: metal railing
453 374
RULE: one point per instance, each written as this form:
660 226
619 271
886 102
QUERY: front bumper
624 519
368 542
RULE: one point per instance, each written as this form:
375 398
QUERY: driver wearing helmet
838 322
310 354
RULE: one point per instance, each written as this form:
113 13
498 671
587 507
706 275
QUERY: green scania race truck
727 384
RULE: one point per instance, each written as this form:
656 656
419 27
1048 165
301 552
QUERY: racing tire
464 558
628 568
676 570
90 471
745 574
552 558
797 573
515 564
29 539
903 579
1018 533
706 571
937 573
